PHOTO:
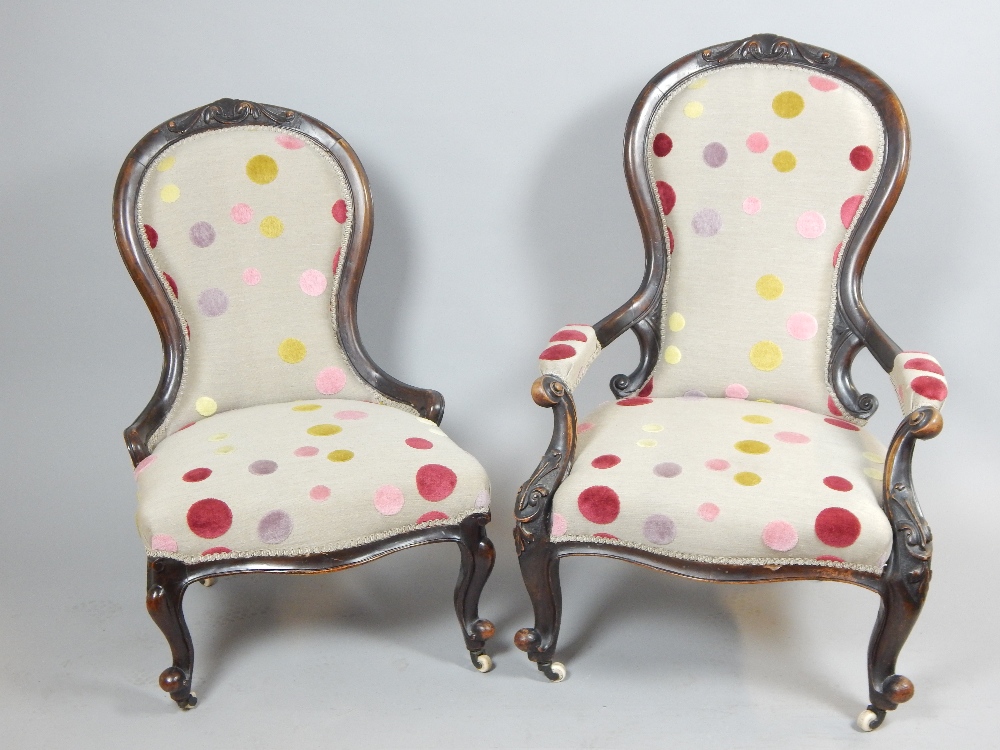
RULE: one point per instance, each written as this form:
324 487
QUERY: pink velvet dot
351 414
336 261
388 500
757 143
836 253
143 465
607 461
319 493
849 208
251 277
557 352
780 536
289 141
791 437
810 225
735 390
584 426
331 380
717 464
801 326
419 443
197 475
216 551
339 211
306 451
832 407
670 240
559 524
432 515
634 401
823 84
841 424
312 282
241 213
163 543
751 205
708 511
929 387
435 482
838 483
483 499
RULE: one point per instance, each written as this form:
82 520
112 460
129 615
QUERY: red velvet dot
841 424
662 144
151 236
848 210
435 482
646 389
833 407
862 158
558 351
830 558
929 387
569 335
171 283
838 483
606 461
667 196
635 401
837 527
599 504
216 551
209 518
605 536
419 443
197 475
432 515
670 240
189 424
836 253
339 211
926 365
336 260
187 329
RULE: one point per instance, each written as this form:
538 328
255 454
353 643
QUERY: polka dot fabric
302 477
763 185
569 353
243 226
919 381
729 481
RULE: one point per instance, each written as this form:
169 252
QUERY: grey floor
492 136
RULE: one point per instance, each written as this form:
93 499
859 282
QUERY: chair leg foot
540 570
478 556
164 597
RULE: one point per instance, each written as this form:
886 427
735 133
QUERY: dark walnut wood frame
167 579
903 584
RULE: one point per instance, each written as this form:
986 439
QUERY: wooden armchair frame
903 583
167 579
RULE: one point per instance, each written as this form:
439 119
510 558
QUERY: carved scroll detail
844 347
647 331
230 112
768 48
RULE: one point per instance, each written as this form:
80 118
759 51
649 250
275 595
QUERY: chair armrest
570 352
919 381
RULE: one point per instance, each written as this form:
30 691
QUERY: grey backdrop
492 136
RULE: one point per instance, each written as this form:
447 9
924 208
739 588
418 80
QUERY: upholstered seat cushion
299 478
726 480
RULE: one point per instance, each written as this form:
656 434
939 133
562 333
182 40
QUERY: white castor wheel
484 663
206 582
555 671
868 720
191 702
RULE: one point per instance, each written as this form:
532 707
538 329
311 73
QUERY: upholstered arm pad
919 381
569 354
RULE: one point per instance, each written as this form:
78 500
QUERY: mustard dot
205 406
694 109
757 419
873 473
699 84
340 456
271 226
292 351
754 447
675 322
306 407
170 193
652 428
747 478
262 169
324 429
765 355
788 104
764 400
770 286
164 164
784 161
646 443
672 355
875 458
219 436
225 449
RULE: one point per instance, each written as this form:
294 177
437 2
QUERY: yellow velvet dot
788 104
271 226
306 407
770 286
205 406
324 429
764 400
165 164
694 109
652 428
699 84
219 436
765 355
757 419
292 351
747 478
875 458
873 473
646 443
225 449
262 169
675 322
672 355
754 447
784 161
340 456
170 193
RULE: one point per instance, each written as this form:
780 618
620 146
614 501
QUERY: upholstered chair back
760 172
247 228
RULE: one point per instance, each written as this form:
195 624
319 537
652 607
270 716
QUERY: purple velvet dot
202 234
659 529
667 469
707 222
715 154
275 527
694 394
263 467
213 302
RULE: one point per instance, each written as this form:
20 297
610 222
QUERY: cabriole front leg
478 556
166 583
540 570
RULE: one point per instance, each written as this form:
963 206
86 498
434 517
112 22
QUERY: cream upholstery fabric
303 477
725 480
759 170
570 352
247 225
919 381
